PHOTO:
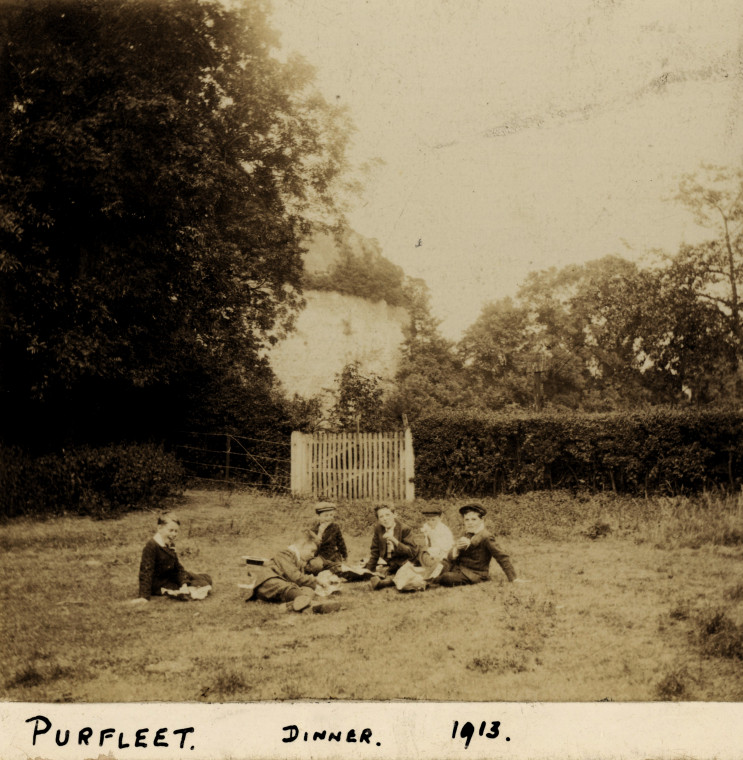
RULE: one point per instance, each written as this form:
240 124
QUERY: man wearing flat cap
331 551
469 560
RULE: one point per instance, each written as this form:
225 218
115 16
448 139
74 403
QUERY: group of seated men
299 574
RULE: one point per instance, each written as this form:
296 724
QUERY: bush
673 686
719 636
663 451
101 482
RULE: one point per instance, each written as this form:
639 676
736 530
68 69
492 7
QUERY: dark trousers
453 577
280 590
197 580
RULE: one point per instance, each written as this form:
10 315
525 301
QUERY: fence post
228 442
409 467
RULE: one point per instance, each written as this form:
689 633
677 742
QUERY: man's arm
406 546
286 564
501 558
183 575
340 543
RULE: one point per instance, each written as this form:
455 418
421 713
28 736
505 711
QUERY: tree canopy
160 168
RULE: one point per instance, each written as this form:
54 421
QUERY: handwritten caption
294 733
42 727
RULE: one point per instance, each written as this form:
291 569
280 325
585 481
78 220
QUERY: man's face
307 551
472 522
169 533
433 520
386 517
326 517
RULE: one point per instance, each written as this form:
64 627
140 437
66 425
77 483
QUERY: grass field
627 599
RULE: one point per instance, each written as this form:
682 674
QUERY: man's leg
276 590
315 565
376 583
199 579
388 580
454 577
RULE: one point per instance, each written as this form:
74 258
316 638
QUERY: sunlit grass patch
586 627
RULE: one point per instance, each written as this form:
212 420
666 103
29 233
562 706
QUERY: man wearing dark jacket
331 550
469 560
392 546
160 567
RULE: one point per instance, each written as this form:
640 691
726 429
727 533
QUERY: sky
517 135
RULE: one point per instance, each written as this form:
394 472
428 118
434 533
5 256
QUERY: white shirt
440 539
295 550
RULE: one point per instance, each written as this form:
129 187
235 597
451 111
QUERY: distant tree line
603 336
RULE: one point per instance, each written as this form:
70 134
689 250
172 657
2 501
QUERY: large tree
714 269
498 351
159 169
429 375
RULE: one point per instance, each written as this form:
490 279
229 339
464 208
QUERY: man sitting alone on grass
392 546
160 571
283 579
469 560
331 551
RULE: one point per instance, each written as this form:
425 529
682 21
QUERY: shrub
599 529
673 686
663 451
719 636
102 482
734 593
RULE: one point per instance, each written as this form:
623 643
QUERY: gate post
409 466
299 485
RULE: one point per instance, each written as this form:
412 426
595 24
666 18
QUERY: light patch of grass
692 522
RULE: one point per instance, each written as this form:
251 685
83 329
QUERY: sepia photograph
369 354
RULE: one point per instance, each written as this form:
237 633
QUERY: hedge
662 451
101 482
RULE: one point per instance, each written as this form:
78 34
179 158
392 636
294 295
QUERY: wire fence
232 460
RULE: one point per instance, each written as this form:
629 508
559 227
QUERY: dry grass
619 596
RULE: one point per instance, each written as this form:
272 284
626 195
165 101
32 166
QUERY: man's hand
463 542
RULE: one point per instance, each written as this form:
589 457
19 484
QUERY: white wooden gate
376 466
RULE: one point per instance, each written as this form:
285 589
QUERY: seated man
161 572
283 578
438 538
469 560
392 546
331 551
